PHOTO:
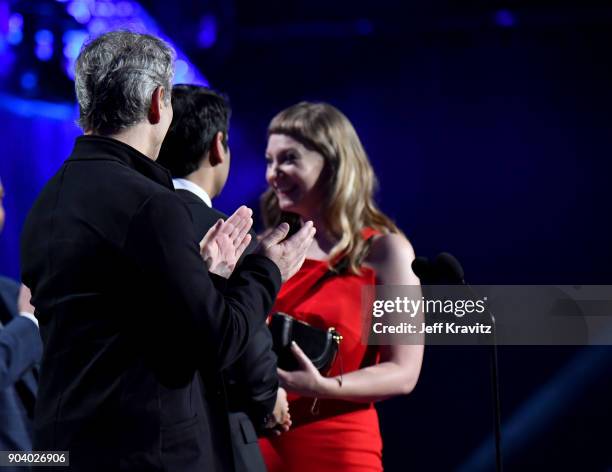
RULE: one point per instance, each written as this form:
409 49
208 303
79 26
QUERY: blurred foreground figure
20 351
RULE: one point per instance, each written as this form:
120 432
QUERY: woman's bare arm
397 373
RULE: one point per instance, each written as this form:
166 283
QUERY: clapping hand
225 242
288 254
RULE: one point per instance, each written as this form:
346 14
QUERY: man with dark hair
196 152
128 309
195 149
200 122
20 351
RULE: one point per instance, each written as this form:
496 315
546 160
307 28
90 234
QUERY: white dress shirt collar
184 184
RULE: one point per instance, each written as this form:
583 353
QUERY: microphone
423 269
446 269
449 269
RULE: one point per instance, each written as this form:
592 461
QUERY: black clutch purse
321 346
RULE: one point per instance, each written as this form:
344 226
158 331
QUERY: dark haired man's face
225 166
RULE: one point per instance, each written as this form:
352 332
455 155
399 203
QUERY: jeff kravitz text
435 328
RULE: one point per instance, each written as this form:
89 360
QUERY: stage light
73 41
44 52
97 26
124 9
43 37
505 18
42 41
208 32
105 9
15 29
79 10
182 72
29 80
44 45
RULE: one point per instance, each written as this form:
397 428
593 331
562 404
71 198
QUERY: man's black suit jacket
251 382
128 312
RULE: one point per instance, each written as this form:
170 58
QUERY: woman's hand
306 381
225 242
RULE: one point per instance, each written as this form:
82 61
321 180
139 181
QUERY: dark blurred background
487 122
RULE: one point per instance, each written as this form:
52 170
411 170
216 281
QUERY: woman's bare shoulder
389 246
391 254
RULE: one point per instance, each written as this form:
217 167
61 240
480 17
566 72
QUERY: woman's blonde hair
349 204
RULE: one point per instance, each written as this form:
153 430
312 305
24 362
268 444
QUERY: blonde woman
318 170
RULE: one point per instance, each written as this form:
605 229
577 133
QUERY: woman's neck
324 240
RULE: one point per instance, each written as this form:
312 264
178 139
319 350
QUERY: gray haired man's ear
157 102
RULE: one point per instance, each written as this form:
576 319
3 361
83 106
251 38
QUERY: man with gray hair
127 300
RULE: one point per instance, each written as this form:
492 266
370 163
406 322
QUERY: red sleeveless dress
342 436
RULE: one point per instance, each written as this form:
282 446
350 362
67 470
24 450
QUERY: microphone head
422 268
449 268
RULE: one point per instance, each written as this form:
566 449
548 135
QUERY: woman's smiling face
293 171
